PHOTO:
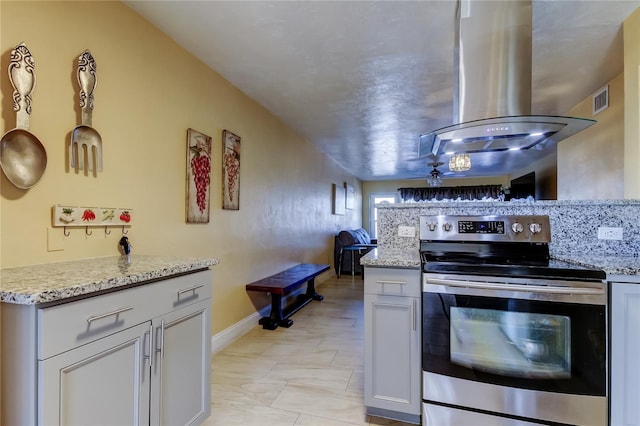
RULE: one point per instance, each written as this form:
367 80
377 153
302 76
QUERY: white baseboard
224 338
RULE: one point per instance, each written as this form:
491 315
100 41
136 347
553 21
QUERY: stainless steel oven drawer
434 415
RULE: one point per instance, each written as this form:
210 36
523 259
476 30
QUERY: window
378 198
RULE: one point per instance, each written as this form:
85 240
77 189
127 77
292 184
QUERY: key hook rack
66 216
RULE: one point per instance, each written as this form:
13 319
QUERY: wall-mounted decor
338 199
351 196
84 137
22 156
75 216
198 176
230 171
84 217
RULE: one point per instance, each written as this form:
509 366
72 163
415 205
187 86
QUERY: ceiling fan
435 177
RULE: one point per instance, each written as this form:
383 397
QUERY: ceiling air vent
601 100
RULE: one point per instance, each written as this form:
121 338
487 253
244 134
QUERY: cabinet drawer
182 291
66 326
392 281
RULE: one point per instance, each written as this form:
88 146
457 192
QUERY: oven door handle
517 287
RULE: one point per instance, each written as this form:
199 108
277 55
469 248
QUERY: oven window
529 344
516 344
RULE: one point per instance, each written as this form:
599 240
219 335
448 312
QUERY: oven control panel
517 228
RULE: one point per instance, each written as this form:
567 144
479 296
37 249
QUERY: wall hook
65 232
86 231
106 230
125 233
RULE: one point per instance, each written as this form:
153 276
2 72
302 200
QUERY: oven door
544 336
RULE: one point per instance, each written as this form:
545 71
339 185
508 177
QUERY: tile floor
309 374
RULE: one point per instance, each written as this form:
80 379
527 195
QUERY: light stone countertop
400 258
392 257
612 265
36 284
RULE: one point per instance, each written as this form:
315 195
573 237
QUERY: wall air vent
601 100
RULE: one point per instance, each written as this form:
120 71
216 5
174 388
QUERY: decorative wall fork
85 136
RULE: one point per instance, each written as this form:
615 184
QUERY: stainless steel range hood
492 91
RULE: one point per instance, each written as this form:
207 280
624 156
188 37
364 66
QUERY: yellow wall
631 32
590 163
149 92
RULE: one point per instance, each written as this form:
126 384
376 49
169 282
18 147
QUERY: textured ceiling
363 79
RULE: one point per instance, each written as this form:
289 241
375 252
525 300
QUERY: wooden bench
282 284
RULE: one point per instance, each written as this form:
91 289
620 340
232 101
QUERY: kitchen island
123 339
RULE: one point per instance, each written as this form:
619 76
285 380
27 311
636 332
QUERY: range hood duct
492 90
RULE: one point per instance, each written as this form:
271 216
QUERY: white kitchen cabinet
180 392
392 363
139 356
625 354
102 383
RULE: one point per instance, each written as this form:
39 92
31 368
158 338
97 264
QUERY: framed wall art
230 171
351 196
338 199
198 176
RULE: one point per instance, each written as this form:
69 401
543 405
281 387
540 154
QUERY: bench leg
311 290
276 318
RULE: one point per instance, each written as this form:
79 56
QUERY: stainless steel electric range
510 337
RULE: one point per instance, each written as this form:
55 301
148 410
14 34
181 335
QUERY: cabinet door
181 372
625 354
392 353
105 382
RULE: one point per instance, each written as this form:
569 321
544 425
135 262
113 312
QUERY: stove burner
478 253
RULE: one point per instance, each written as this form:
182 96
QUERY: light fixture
460 163
435 178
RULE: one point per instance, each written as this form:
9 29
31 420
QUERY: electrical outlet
609 233
407 231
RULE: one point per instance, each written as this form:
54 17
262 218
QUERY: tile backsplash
574 224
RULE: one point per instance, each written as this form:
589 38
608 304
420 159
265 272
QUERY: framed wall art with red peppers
198 176
230 171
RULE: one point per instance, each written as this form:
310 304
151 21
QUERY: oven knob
447 227
535 228
432 226
517 227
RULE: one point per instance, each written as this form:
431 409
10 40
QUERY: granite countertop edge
393 258
52 282
611 265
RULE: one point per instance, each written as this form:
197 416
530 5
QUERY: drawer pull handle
108 314
392 282
187 290
398 283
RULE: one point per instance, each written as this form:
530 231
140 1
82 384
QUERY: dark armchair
350 246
